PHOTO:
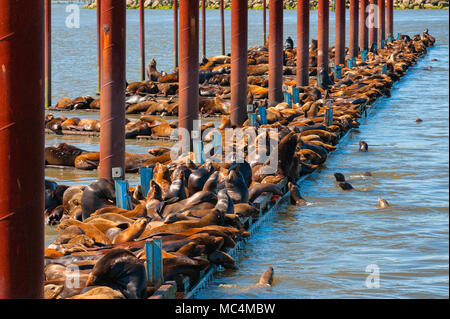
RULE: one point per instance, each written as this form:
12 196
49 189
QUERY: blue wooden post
337 72
148 255
146 176
157 261
295 95
262 115
288 98
328 116
384 69
198 151
364 55
123 200
351 63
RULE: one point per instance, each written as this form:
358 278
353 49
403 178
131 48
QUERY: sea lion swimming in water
340 179
295 196
363 147
382 203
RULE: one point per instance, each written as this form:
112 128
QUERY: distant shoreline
428 5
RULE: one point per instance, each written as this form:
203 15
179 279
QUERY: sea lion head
122 270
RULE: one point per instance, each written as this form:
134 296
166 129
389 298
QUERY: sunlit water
321 250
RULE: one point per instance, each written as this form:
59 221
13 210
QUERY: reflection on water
322 250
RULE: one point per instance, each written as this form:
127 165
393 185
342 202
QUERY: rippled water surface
321 250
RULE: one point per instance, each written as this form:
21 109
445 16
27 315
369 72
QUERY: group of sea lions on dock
200 211
158 95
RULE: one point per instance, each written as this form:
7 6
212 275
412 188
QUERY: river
324 249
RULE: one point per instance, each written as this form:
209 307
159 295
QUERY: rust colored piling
142 37
222 27
275 51
353 32
302 74
112 99
339 46
99 43
239 63
264 22
175 34
390 18
381 22
22 56
189 69
48 53
363 29
322 41
203 28
373 24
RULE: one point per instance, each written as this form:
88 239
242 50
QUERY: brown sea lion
132 232
90 125
62 154
236 187
295 196
120 270
214 218
64 103
382 203
223 259
266 278
98 194
100 292
258 189
70 123
90 230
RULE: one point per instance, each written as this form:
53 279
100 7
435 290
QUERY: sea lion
286 151
120 270
236 187
52 291
223 259
198 178
101 292
258 189
382 203
340 179
67 234
132 232
89 230
62 154
176 190
152 72
90 125
295 196
266 278
64 103
98 194
224 204
245 210
87 161
214 218
211 183
363 147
